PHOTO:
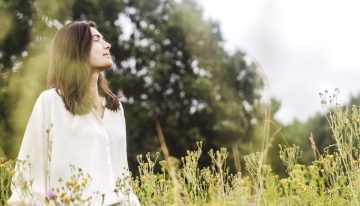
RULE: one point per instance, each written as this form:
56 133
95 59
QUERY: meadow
333 178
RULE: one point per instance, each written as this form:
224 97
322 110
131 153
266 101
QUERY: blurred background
304 47
229 73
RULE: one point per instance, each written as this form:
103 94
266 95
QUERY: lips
106 54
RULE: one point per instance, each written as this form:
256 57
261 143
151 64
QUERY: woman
79 122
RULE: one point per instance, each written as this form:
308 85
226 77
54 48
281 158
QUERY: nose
107 45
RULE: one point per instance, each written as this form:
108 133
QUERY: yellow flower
70 183
304 188
64 198
284 181
162 181
77 188
84 182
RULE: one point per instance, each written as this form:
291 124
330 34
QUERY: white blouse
94 144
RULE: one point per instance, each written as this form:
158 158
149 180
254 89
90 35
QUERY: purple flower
51 194
62 204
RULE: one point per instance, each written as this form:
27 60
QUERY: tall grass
333 178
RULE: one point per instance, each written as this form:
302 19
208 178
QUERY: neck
94 92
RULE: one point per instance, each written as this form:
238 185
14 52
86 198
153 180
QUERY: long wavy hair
69 72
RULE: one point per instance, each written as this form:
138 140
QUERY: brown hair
69 71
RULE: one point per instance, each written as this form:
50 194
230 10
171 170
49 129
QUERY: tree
14 36
28 27
170 67
179 74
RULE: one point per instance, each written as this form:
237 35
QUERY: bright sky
303 46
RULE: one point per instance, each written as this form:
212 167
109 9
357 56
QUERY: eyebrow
97 35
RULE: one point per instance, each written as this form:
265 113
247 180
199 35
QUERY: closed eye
96 37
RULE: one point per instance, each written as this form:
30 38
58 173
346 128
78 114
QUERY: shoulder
120 106
46 97
49 93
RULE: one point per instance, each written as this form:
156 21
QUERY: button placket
107 146
108 156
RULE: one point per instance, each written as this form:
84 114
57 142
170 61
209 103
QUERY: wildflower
64 198
70 183
162 181
163 163
77 188
51 194
283 181
84 182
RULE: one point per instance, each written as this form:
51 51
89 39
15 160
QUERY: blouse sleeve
125 139
29 180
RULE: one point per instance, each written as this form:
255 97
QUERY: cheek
94 56
95 51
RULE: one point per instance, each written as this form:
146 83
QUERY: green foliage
175 71
313 135
170 67
71 191
290 155
6 172
332 179
23 65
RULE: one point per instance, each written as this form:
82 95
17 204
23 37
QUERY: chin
108 64
104 67
107 67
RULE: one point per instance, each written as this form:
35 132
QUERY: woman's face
99 57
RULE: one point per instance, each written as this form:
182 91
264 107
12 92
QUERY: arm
29 180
